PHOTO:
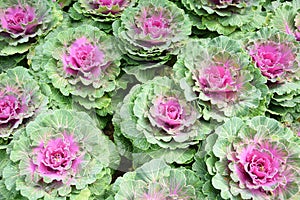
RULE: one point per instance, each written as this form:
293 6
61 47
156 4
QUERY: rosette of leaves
277 55
20 101
155 120
59 155
226 16
82 63
157 180
253 159
150 33
219 76
23 22
286 18
100 10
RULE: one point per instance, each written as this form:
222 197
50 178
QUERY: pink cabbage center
216 78
110 3
11 107
217 82
58 157
8 107
168 113
83 59
18 19
272 58
260 165
155 24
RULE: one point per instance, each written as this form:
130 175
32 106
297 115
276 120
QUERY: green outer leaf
221 183
9 194
226 18
226 134
30 192
10 174
10 62
283 18
83 195
157 174
180 156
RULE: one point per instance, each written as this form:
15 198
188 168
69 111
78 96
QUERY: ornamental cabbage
218 75
151 31
22 22
277 55
58 154
155 120
83 66
253 159
226 16
156 180
20 101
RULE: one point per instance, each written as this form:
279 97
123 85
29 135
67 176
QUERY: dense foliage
149 99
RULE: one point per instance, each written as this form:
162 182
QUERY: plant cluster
149 99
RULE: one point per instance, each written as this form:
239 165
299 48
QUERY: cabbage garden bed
149 99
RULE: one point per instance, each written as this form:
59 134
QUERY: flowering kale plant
21 22
20 100
58 154
219 75
149 99
155 120
84 64
151 30
157 180
277 55
256 159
